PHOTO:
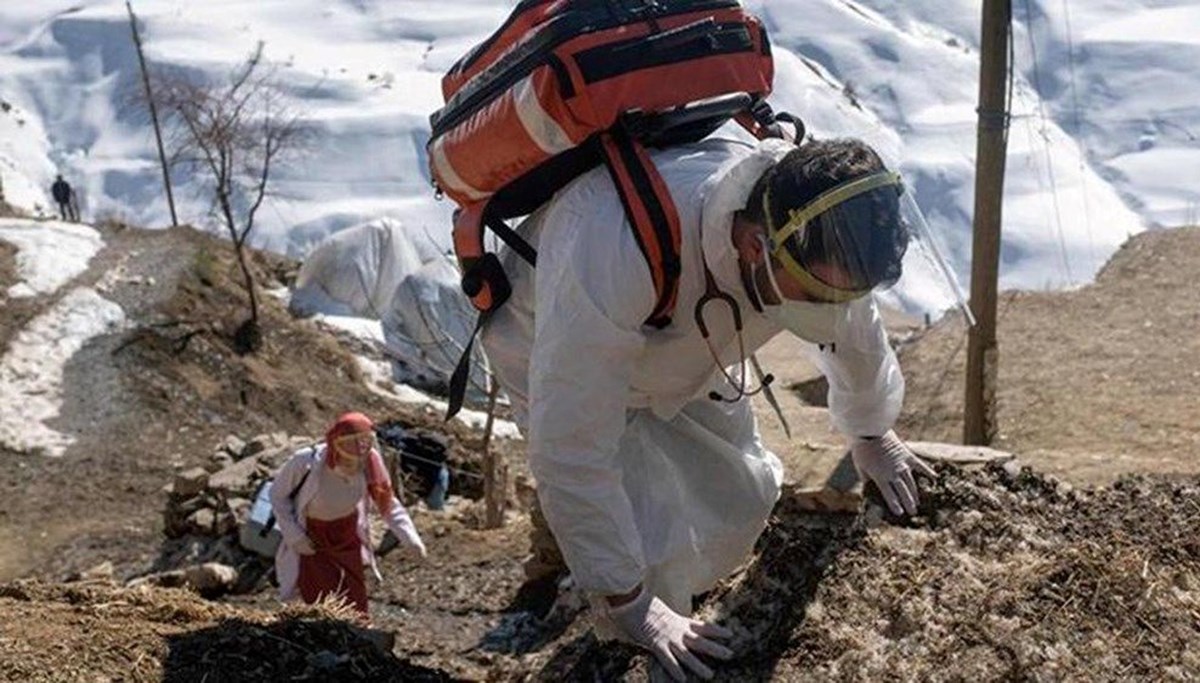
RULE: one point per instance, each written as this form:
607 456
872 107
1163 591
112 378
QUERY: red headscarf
379 484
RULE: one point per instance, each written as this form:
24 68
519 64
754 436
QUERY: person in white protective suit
649 465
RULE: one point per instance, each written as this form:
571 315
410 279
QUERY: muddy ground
1006 575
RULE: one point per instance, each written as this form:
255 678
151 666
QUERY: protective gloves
414 546
890 464
416 550
673 638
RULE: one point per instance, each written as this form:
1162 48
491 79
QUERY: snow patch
1090 117
31 373
378 376
51 253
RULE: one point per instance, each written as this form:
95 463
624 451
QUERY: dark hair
813 169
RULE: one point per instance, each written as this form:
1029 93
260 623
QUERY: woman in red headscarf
320 500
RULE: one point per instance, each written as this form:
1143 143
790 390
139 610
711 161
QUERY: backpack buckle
485 283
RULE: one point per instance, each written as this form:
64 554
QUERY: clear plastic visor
846 242
866 236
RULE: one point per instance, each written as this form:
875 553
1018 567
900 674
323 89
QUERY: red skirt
336 569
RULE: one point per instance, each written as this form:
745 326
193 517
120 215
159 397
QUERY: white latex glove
416 549
890 464
673 638
303 545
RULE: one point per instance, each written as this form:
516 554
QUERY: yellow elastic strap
810 283
799 218
842 193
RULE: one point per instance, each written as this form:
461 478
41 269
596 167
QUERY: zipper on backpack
463 65
469 100
703 39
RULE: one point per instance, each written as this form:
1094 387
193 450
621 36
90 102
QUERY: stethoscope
713 293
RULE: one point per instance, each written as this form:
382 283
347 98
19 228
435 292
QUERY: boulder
211 579
224 523
219 461
101 572
191 482
238 506
233 446
255 446
237 480
203 520
958 454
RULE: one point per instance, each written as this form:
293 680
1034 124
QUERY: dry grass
102 632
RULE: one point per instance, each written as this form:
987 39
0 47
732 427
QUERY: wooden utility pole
979 420
495 474
162 155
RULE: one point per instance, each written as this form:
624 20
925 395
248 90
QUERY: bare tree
232 134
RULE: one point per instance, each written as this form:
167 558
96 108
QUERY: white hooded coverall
641 476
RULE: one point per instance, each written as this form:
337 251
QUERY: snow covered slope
903 75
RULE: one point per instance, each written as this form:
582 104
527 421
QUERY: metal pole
979 419
495 475
162 155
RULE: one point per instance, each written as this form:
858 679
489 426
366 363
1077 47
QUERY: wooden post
979 419
162 155
495 475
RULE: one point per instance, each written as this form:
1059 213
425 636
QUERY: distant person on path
320 498
64 195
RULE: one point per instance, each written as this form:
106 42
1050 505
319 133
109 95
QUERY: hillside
1093 383
1007 573
154 393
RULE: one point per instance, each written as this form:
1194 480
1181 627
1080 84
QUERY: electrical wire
461 472
1077 129
1045 135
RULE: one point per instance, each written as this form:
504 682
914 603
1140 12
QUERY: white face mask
813 322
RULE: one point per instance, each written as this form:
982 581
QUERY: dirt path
56 513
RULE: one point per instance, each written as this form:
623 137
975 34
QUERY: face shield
857 238
928 282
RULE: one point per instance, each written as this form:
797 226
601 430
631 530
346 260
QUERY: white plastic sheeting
381 271
359 268
429 316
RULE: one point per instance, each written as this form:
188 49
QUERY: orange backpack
566 85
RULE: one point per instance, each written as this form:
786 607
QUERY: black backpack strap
270 523
515 242
651 213
462 371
